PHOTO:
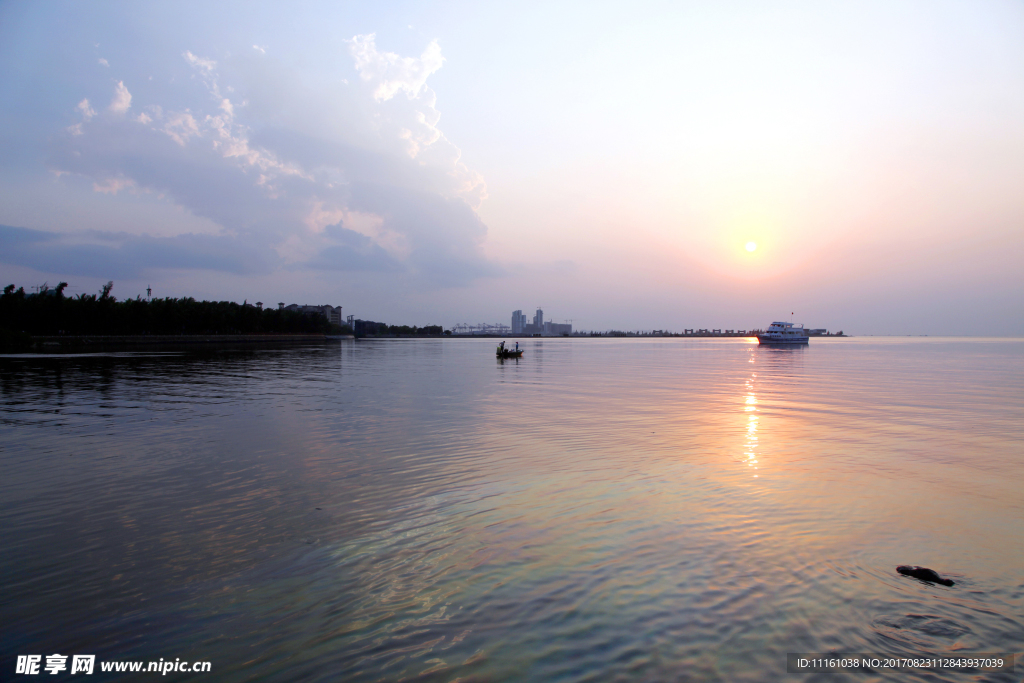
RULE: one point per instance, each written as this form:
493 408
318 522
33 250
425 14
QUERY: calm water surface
634 510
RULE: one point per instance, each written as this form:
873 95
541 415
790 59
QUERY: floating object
783 333
502 352
924 574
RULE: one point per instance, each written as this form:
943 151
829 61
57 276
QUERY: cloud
113 185
261 50
390 72
205 65
339 177
180 126
103 62
443 233
352 251
87 111
122 99
120 255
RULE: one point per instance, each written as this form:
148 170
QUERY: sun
751 246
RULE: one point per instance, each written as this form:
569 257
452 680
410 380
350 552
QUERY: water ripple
600 510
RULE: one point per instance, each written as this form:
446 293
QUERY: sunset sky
422 163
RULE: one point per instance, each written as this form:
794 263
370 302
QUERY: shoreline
96 342
90 343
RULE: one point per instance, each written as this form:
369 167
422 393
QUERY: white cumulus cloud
181 126
122 99
206 65
87 111
391 72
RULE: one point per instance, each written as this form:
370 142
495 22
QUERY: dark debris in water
924 574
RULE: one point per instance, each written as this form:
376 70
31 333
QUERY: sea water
602 509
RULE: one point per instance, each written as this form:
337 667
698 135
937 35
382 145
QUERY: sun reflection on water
750 407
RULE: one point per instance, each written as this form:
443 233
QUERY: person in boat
517 347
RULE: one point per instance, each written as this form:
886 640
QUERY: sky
442 163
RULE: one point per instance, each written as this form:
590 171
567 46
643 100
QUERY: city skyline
538 326
649 167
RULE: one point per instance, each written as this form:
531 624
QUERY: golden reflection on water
750 407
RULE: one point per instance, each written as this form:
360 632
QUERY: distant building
368 328
480 328
538 327
820 332
332 313
557 329
518 322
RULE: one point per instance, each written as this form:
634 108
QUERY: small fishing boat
502 352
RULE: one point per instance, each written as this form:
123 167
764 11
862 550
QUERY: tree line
49 312
413 331
369 328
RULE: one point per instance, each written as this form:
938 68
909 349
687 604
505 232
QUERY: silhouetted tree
50 313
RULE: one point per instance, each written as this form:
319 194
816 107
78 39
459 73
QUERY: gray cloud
276 190
194 176
346 161
121 255
353 252
443 232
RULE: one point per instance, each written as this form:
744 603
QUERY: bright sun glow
751 246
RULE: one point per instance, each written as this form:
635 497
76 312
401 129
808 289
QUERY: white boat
783 333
